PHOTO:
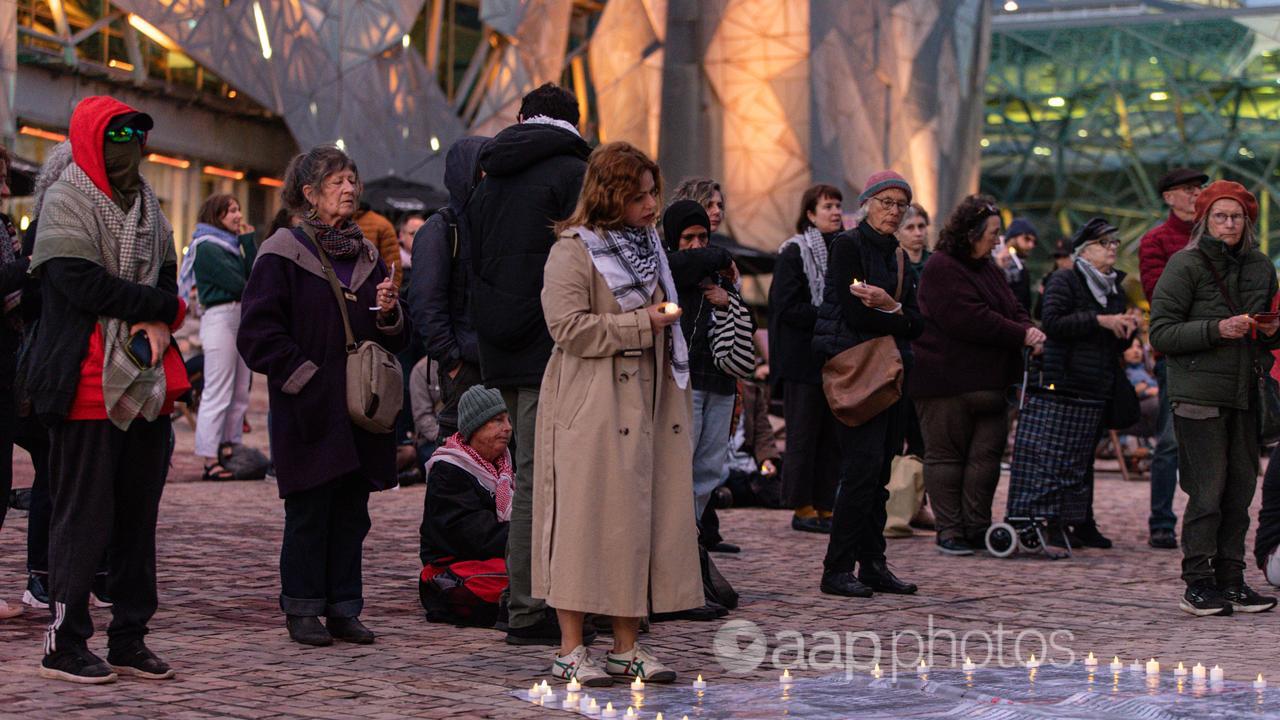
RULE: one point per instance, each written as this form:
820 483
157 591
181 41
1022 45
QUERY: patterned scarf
8 254
813 254
133 250
632 264
343 242
498 480
1101 285
203 234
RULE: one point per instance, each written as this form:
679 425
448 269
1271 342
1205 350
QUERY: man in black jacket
439 303
533 174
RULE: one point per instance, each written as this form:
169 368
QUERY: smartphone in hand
139 350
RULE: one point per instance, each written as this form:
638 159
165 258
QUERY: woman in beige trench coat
613 526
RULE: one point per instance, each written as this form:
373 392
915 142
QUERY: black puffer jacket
843 321
690 269
533 174
1080 356
439 301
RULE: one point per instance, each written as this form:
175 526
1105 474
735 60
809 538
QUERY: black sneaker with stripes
76 664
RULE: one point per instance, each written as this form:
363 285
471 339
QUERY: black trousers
1269 515
866 459
105 486
810 465
8 429
452 390
320 558
34 438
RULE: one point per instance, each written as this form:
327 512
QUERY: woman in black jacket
13 275
858 306
1088 331
809 467
467 508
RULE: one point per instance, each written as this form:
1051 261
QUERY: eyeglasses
1225 218
1111 244
126 134
888 204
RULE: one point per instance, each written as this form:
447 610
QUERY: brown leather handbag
865 380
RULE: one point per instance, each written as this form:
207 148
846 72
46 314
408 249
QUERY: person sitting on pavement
467 507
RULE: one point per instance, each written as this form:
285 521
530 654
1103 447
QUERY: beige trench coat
613 526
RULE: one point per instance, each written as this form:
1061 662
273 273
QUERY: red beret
1220 189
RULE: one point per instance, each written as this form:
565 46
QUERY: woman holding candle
292 331
859 304
613 530
1088 330
810 466
968 354
1203 320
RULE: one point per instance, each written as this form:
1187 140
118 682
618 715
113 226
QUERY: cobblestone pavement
220 627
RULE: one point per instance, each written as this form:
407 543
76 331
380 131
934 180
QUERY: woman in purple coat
291 331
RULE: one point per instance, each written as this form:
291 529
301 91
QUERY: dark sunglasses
127 134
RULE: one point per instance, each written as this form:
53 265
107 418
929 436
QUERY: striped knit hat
884 180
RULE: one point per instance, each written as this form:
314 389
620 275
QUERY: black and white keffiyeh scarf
813 255
633 265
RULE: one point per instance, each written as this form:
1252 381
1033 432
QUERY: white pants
226 381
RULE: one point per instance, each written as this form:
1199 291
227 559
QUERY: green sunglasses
126 134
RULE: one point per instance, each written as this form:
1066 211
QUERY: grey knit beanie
477 406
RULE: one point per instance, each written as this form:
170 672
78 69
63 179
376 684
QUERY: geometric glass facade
1085 112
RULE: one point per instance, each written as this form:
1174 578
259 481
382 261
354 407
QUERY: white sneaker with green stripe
581 666
638 662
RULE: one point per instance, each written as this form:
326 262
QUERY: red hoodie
88 124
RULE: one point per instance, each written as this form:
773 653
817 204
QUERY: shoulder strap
1217 278
451 220
335 285
902 262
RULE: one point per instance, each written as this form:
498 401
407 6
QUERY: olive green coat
613 525
1203 368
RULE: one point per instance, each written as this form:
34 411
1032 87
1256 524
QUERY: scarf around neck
813 255
633 265
497 479
1101 285
133 248
545 120
203 233
342 242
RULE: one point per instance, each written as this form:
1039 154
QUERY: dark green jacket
1205 369
220 275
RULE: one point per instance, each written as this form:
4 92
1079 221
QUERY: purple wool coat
291 331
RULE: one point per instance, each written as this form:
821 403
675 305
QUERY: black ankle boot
878 577
308 630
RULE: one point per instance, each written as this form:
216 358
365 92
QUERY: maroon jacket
974 329
1157 246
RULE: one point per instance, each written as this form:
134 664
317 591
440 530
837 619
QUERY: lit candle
923 667
969 665
876 672
1153 667
574 686
637 684
1215 675
631 712
570 701
608 711
1136 666
785 678
699 684
1116 665
855 282
544 687
1033 662
659 717
535 692
588 705
669 308
1180 671
1259 684
548 700
1091 661
1198 672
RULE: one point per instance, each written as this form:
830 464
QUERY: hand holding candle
388 293
663 314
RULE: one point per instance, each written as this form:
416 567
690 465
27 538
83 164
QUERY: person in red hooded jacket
103 376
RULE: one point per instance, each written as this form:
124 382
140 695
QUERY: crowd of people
572 367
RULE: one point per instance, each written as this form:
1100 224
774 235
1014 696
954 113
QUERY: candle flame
608 706
1115 659
1091 657
1259 677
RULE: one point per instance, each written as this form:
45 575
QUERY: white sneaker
1272 569
580 665
638 662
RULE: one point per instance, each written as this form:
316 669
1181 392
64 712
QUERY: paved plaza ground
220 627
